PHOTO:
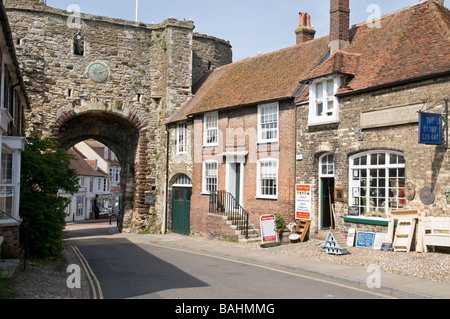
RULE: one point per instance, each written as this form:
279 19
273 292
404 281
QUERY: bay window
377 183
323 104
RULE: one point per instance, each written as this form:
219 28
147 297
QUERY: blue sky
251 26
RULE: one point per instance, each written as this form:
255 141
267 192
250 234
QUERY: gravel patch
433 266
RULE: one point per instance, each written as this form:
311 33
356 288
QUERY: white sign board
351 237
380 239
303 202
268 233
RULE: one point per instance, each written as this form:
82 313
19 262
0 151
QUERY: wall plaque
410 191
392 115
427 196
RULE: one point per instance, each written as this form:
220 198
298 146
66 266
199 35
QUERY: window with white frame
210 174
323 104
211 129
267 178
182 181
377 183
181 138
327 166
6 186
268 118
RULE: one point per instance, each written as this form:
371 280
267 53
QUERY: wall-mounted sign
303 202
430 128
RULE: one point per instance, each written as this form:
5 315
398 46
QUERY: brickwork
10 246
238 133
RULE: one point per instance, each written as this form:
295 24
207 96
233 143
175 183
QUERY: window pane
269 122
319 90
330 88
268 172
319 109
178 194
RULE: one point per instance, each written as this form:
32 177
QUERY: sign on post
303 201
430 128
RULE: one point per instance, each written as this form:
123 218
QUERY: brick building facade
357 96
366 143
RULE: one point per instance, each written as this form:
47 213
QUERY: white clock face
98 72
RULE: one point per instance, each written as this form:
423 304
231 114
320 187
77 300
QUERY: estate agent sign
303 201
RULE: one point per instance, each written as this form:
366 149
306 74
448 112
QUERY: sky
251 26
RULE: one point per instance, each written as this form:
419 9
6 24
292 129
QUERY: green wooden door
181 210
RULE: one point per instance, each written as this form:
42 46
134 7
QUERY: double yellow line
93 281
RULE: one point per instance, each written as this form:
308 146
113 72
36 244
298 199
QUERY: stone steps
253 234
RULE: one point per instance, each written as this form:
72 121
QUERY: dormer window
323 104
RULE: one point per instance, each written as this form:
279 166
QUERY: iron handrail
224 203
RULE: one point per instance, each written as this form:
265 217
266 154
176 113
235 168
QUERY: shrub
45 171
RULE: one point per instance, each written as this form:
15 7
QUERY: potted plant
280 226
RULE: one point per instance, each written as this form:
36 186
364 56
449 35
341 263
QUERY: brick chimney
304 32
339 24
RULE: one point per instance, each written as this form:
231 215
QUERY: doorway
181 210
235 179
326 192
327 203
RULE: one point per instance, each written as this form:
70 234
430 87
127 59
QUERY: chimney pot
304 32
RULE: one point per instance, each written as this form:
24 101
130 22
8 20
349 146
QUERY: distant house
105 161
91 179
13 102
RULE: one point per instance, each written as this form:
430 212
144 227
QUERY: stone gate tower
115 81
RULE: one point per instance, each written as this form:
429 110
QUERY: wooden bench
436 231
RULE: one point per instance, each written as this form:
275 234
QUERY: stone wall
150 70
426 165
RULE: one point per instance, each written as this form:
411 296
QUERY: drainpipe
167 180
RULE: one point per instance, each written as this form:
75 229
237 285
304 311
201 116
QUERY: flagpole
137 6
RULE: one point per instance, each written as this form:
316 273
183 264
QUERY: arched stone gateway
114 81
123 135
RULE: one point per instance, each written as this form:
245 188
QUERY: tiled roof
411 43
268 77
80 165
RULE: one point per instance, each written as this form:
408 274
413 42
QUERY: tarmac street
172 267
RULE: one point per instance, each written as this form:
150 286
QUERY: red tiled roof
411 43
80 165
267 77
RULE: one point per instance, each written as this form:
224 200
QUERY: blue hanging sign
430 128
